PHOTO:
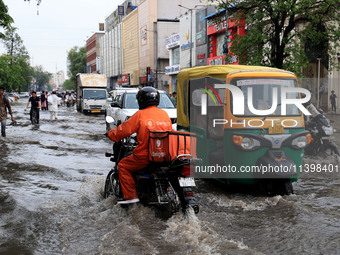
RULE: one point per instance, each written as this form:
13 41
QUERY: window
175 56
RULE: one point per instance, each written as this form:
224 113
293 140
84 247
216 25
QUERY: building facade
93 53
134 45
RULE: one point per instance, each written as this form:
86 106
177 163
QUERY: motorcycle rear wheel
331 150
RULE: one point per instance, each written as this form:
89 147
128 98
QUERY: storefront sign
217 27
201 56
120 9
172 41
124 79
172 69
216 61
143 35
186 46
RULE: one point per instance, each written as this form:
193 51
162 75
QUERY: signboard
124 79
101 26
143 35
214 26
121 10
172 69
172 41
186 46
216 61
201 27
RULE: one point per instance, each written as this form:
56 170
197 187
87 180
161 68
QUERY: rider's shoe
131 201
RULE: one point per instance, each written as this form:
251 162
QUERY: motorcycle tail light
187 170
309 138
189 194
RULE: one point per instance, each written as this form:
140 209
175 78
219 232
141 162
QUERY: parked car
24 94
12 97
126 105
13 94
113 96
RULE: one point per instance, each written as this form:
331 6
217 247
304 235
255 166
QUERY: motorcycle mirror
110 120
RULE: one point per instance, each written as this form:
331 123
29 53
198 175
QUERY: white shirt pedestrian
53 105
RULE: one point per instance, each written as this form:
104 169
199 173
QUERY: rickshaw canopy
215 71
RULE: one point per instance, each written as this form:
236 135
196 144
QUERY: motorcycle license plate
277 129
186 181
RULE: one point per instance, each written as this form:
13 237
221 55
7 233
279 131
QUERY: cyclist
35 106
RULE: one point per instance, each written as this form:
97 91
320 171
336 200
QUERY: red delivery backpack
165 146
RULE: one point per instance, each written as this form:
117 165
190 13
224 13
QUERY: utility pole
318 103
190 9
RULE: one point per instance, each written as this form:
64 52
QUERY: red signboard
124 79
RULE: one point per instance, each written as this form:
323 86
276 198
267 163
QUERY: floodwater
51 182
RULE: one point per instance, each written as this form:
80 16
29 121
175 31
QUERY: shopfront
217 25
173 45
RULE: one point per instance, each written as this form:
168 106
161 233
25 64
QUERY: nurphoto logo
239 100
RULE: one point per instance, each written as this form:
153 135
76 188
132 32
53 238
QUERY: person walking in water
43 101
35 106
4 105
332 97
53 105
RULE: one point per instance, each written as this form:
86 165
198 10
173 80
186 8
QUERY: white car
127 104
114 96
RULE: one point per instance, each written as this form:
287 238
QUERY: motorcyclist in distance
148 118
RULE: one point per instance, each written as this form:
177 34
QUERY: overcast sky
60 25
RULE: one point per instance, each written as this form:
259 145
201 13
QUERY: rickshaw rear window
263 94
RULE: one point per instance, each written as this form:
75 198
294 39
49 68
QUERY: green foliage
77 58
5 18
69 85
42 78
15 71
285 33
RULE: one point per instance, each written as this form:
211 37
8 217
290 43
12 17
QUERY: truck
91 92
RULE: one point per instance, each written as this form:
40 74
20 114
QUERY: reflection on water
51 181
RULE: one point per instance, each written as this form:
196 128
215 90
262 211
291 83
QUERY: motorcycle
166 186
321 131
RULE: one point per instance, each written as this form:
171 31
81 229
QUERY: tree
282 33
15 70
5 18
69 85
77 58
42 78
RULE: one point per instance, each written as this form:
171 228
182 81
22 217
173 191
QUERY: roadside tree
77 58
285 34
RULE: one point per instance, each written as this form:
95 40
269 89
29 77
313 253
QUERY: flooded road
51 181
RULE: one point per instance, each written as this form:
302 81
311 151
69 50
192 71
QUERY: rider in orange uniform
148 118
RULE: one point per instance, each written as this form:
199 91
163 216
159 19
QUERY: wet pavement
51 181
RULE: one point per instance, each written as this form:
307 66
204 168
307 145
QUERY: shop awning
213 14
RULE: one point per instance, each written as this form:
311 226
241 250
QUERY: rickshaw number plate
277 129
186 181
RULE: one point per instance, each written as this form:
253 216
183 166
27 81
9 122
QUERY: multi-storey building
134 51
93 53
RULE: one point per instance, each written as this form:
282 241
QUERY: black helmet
147 96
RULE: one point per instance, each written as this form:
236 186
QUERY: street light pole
190 9
318 103
190 38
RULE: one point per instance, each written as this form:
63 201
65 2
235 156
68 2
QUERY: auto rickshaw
243 134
